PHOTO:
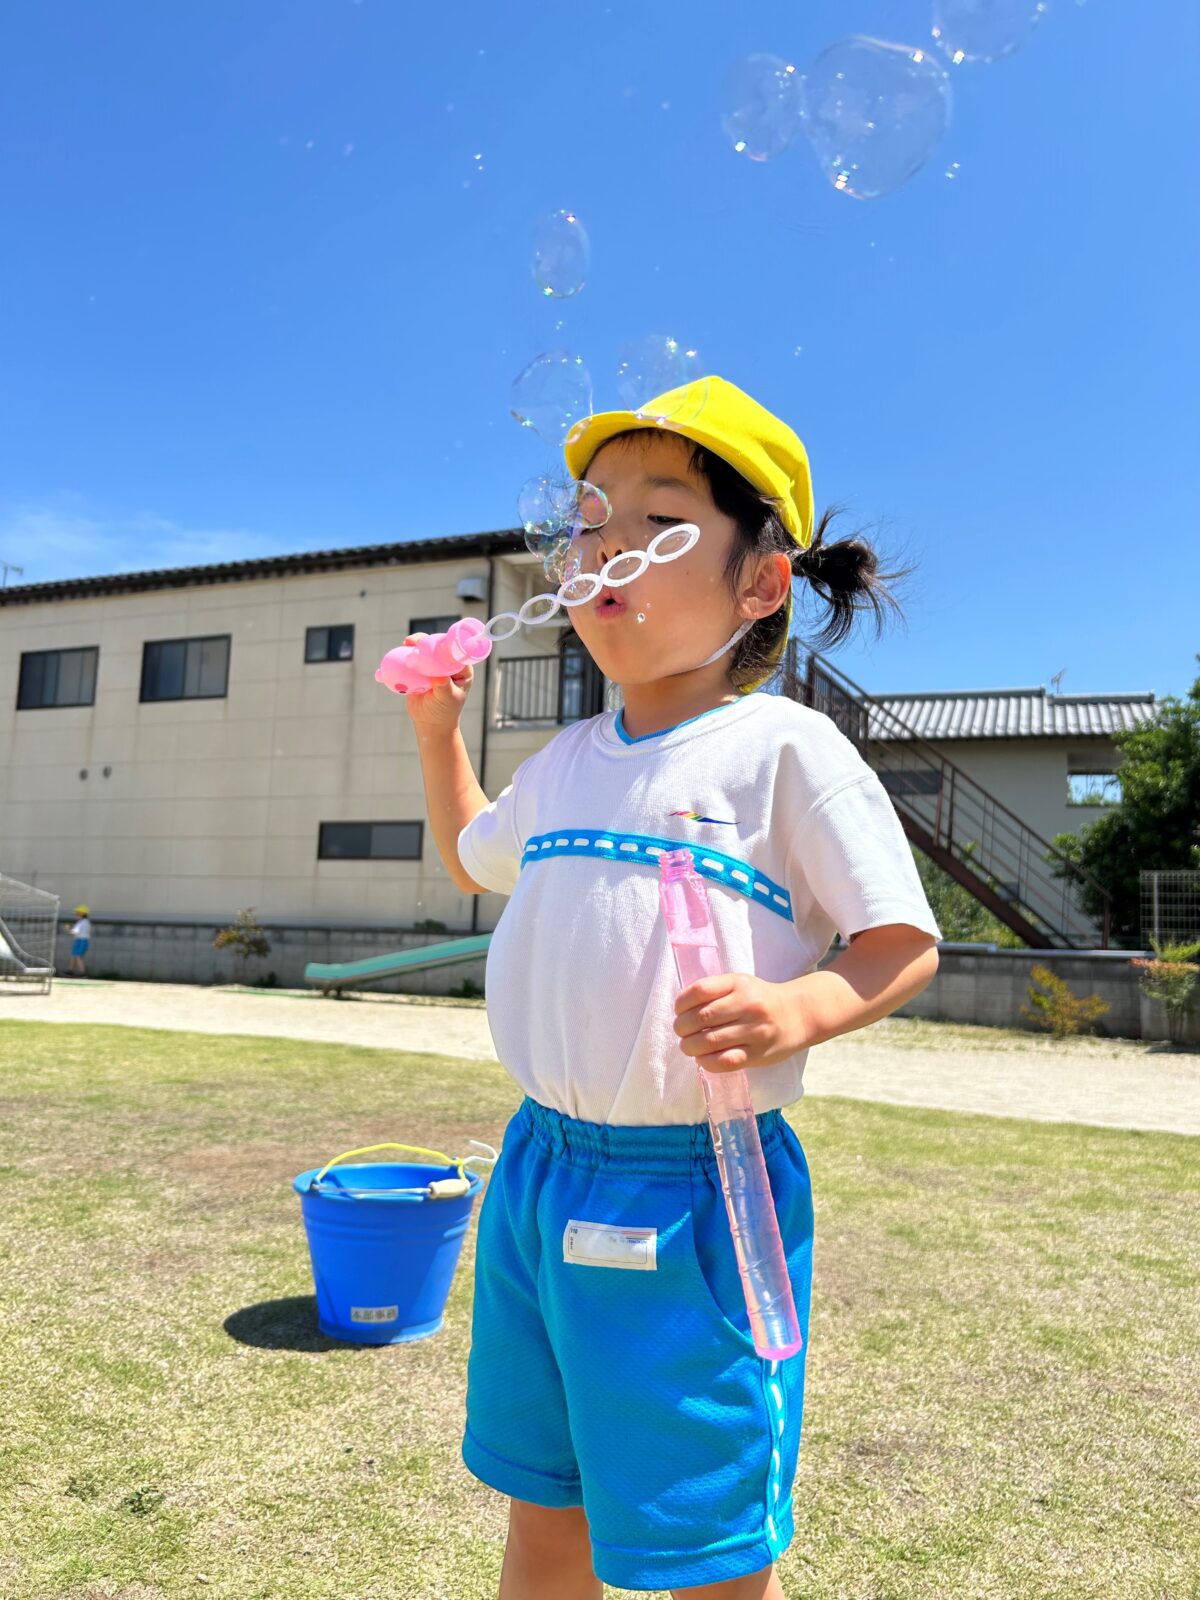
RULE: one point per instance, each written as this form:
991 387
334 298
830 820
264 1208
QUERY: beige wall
212 805
1030 776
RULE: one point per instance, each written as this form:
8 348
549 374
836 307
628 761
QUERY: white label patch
374 1313
601 1244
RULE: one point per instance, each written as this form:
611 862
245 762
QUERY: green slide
332 976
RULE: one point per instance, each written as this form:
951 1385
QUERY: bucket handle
369 1149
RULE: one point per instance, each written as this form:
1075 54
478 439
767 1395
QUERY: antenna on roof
8 567
1057 679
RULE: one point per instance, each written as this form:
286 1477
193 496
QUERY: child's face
688 609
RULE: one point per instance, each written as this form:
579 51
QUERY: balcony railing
548 690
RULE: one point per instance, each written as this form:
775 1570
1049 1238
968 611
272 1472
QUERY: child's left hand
735 1020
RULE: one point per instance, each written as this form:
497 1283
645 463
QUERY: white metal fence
1170 907
28 925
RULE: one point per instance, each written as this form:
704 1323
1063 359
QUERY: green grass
1002 1396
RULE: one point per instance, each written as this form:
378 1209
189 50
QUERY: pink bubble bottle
436 656
752 1221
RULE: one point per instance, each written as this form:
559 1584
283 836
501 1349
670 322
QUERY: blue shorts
635 1393
80 947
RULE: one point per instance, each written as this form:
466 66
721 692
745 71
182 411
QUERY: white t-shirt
796 839
82 929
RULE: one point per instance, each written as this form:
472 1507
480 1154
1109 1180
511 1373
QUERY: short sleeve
490 847
851 859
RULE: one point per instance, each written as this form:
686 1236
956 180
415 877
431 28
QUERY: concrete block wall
974 983
988 986
181 952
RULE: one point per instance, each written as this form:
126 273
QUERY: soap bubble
649 367
561 255
544 506
984 30
874 112
762 108
554 507
550 393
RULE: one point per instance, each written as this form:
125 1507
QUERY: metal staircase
957 823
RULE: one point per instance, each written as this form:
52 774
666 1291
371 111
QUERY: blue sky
259 296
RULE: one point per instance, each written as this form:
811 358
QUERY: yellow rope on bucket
369 1149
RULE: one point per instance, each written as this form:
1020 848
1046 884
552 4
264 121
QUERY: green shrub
1056 1009
1172 978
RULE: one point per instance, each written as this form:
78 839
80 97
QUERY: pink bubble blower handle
752 1221
435 658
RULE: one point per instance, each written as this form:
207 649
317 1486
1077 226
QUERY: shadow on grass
289 1324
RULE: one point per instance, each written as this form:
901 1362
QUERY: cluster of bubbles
873 111
555 512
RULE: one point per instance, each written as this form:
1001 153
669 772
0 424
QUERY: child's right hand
442 706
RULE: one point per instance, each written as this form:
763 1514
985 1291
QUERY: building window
912 782
369 841
186 669
57 678
330 644
431 624
1093 789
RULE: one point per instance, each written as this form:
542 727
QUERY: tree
1156 825
962 918
247 939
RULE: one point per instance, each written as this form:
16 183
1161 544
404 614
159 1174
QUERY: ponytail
847 578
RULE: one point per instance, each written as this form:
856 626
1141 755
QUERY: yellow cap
81 911
718 415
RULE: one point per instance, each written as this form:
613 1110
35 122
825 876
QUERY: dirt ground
1119 1083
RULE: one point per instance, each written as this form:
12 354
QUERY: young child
613 1389
81 936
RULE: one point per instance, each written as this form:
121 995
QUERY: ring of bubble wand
554 514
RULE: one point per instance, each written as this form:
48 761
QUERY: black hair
845 574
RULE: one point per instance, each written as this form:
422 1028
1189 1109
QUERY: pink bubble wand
436 657
731 1118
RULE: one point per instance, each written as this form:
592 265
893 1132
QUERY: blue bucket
384 1239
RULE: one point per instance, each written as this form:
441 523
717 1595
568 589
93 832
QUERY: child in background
81 934
613 1390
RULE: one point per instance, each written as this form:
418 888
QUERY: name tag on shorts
601 1244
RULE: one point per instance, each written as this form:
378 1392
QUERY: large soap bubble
874 112
561 255
984 30
761 110
651 366
551 393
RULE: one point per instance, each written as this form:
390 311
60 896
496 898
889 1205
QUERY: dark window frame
328 629
190 639
370 855
432 624
25 676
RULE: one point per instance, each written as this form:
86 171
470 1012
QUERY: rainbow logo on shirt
694 816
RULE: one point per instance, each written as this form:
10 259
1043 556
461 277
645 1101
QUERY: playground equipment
28 925
333 977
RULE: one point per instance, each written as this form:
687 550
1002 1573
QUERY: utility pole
8 567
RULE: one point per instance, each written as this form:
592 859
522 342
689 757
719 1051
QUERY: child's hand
441 706
735 1020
